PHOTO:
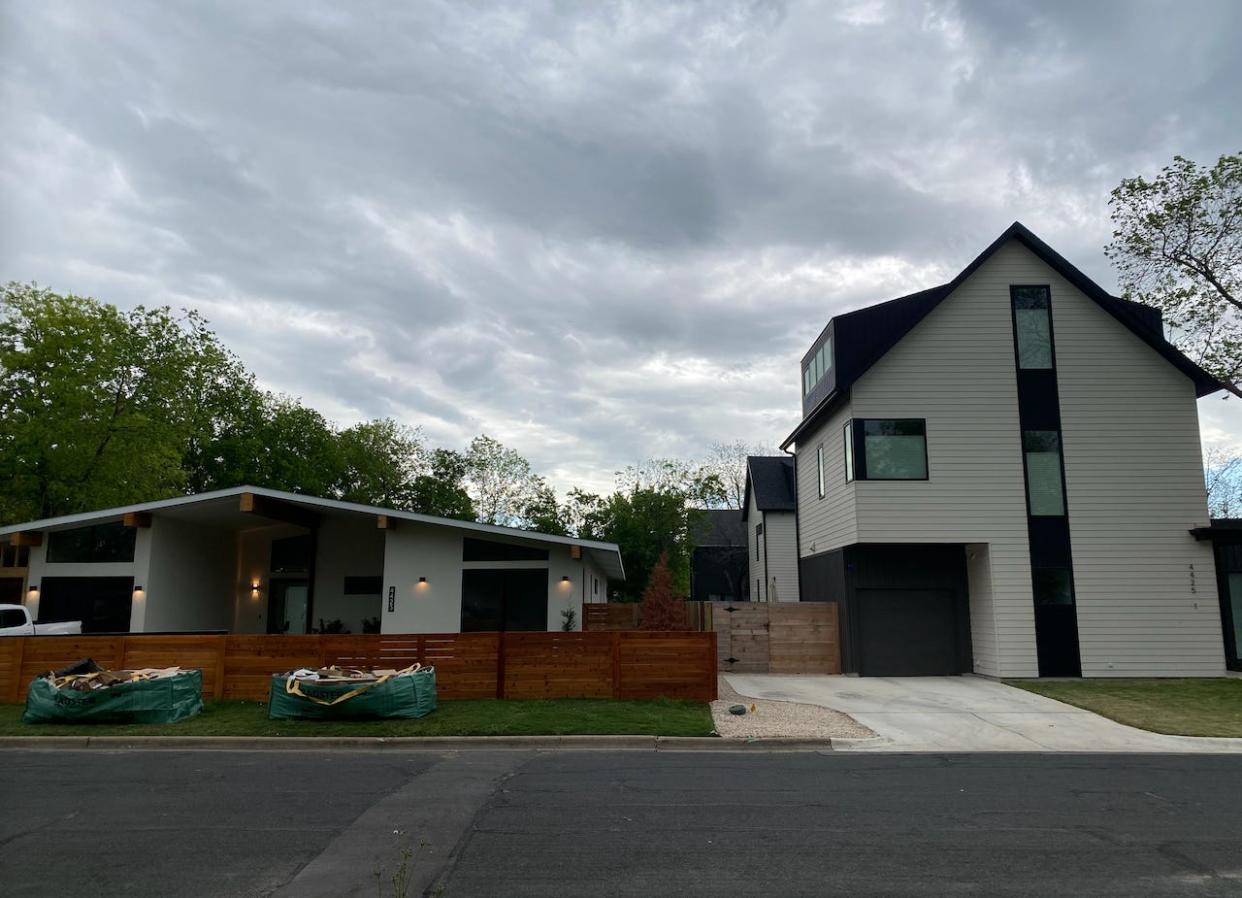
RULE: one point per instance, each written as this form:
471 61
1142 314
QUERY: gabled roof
718 527
608 554
770 478
863 337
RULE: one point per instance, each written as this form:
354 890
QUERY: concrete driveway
964 713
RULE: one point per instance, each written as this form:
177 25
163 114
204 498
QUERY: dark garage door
906 633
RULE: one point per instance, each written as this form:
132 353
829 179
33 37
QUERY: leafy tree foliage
98 406
500 482
441 490
1177 245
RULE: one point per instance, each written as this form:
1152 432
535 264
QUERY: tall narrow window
1043 472
849 451
758 539
1033 327
819 468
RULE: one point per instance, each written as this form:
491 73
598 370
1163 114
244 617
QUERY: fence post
500 664
221 646
712 668
616 663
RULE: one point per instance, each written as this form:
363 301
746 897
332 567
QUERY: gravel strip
771 718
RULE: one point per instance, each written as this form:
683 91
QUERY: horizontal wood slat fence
752 637
614 664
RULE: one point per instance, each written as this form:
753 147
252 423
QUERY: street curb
407 743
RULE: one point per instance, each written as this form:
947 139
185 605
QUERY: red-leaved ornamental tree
662 608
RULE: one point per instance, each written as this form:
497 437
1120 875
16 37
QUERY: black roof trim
865 335
770 478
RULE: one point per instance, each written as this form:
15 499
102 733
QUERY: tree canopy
1177 245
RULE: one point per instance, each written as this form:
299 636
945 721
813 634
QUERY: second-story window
758 539
886 449
816 367
819 468
1032 324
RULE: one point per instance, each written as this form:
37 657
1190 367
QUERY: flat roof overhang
222 508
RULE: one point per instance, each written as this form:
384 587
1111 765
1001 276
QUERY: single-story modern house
253 560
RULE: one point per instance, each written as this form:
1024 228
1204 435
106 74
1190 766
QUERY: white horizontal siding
780 531
758 591
828 523
1145 589
956 370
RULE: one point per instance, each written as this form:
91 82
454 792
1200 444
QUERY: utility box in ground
367 695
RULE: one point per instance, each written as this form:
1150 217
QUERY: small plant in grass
662 608
569 620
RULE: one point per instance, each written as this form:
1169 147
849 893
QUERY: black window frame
1026 474
856 451
758 538
1013 312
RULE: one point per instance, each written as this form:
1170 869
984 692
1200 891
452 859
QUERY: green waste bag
406 695
163 700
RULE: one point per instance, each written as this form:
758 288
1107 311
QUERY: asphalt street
636 823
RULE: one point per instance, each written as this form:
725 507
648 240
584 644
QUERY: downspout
797 521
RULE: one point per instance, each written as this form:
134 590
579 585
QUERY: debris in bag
352 692
145 695
85 666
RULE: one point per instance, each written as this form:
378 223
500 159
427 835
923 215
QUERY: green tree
1177 245
543 512
378 463
94 405
500 481
647 523
440 490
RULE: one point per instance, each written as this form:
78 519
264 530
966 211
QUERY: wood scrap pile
87 676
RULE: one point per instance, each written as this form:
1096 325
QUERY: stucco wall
348 547
189 583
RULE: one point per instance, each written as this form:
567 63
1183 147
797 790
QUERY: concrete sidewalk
964 713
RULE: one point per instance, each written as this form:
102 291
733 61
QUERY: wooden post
616 663
500 664
221 649
712 662
136 519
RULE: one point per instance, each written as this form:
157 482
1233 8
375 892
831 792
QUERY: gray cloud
598 232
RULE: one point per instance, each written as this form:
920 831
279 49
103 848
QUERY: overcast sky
596 232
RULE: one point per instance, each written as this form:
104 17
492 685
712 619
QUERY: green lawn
481 717
1177 707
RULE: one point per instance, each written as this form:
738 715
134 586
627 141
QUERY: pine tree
662 608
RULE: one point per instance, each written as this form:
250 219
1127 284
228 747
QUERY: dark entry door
494 600
102 604
288 607
907 633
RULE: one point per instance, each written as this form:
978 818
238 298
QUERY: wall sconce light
137 588
254 590
33 591
565 582
422 582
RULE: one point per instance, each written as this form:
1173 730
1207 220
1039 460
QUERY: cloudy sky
598 232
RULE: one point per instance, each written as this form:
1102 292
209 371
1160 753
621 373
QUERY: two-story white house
1000 475
770 515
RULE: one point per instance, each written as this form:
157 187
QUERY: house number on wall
392 598
1193 591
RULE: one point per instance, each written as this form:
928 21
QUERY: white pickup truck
15 621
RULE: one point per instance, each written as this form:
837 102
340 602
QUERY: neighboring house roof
719 527
862 338
770 478
608 554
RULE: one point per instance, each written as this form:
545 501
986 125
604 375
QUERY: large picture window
1042 449
98 544
1032 326
886 449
